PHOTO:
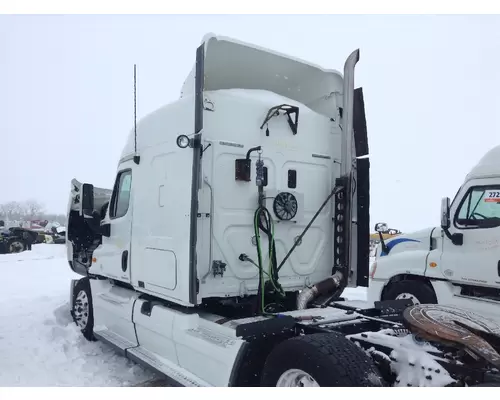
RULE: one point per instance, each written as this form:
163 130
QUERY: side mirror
381 227
87 199
457 238
445 213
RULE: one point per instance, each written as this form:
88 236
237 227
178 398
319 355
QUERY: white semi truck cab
239 214
457 263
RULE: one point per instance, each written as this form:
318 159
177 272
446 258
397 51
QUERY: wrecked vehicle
16 240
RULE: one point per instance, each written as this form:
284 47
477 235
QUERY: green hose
270 274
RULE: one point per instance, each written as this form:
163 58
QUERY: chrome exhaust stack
337 280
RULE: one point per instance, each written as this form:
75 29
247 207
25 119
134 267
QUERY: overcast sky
431 88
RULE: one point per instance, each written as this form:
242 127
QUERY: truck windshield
480 207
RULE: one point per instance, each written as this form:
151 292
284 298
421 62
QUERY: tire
16 246
489 384
82 308
423 293
329 359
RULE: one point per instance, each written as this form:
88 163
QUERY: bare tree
3 211
10 210
33 208
15 211
60 218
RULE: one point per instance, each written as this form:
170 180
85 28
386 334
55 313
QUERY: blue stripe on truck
394 242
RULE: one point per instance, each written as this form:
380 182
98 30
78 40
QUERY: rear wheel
417 291
320 359
296 378
82 308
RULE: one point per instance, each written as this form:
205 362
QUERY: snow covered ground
39 343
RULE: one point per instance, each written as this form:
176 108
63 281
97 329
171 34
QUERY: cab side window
480 208
121 194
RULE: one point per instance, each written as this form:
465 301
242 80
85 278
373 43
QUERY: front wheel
16 246
417 291
82 308
320 359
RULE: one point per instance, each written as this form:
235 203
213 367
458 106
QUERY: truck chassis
338 343
255 330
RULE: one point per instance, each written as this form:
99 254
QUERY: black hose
250 151
263 222
259 306
273 273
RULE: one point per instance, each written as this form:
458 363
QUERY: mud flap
362 189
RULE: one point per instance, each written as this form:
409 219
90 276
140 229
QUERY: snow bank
39 343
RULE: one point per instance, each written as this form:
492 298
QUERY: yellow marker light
433 265
94 260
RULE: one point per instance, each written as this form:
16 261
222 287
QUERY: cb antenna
137 158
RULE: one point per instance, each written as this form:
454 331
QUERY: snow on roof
151 128
233 64
252 71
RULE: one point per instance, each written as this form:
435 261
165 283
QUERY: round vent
285 206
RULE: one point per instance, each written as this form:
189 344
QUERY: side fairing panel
162 207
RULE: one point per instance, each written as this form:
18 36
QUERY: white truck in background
238 216
457 263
